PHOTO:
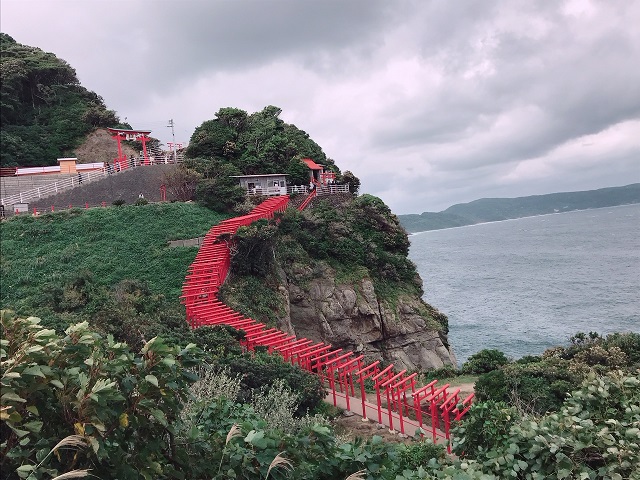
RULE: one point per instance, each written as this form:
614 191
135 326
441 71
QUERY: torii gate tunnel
393 399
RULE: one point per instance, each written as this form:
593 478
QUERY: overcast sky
430 103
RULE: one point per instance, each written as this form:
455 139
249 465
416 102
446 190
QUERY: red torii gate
404 404
130 135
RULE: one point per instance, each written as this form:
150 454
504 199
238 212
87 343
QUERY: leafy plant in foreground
123 404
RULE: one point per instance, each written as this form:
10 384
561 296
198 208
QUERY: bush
121 404
484 361
594 435
492 386
277 404
485 427
414 455
263 370
119 202
534 387
448 371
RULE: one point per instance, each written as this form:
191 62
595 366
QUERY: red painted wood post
35 212
417 400
399 388
372 370
86 205
332 385
70 206
449 404
104 204
52 209
345 371
378 382
390 396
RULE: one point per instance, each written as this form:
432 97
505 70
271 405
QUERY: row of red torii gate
391 398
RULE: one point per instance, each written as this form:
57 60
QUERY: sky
429 102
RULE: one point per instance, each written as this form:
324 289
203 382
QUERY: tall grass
115 243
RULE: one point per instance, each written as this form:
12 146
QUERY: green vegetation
593 435
111 382
127 242
484 361
494 209
255 143
541 384
238 143
110 266
81 404
44 110
357 239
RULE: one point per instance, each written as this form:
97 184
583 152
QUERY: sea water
524 285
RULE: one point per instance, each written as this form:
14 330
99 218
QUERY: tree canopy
44 111
257 143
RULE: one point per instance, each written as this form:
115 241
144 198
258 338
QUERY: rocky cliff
339 274
353 317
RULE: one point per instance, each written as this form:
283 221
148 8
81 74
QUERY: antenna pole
173 135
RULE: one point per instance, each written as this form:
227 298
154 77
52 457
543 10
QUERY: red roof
311 164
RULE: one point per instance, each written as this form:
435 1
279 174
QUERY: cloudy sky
429 102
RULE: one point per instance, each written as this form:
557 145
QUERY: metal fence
83 178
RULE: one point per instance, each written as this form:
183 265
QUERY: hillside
98 264
496 209
338 273
45 111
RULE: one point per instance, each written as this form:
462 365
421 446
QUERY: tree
351 180
44 110
182 182
298 172
209 140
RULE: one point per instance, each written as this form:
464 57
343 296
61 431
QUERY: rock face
352 317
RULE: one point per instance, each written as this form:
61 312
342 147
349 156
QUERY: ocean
528 284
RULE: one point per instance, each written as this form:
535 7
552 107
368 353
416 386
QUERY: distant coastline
488 210
520 218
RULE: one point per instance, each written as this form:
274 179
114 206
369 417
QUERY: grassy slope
113 243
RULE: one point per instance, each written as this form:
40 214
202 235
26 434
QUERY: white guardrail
333 188
303 189
91 176
81 178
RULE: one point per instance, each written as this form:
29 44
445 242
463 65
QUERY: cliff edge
338 273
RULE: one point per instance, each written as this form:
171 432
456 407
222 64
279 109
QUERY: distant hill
495 209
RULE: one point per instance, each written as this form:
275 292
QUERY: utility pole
173 135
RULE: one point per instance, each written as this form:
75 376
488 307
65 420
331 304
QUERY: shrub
484 361
448 371
414 455
535 387
492 386
277 404
485 427
119 202
122 404
263 369
594 435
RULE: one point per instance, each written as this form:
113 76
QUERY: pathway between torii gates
397 401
